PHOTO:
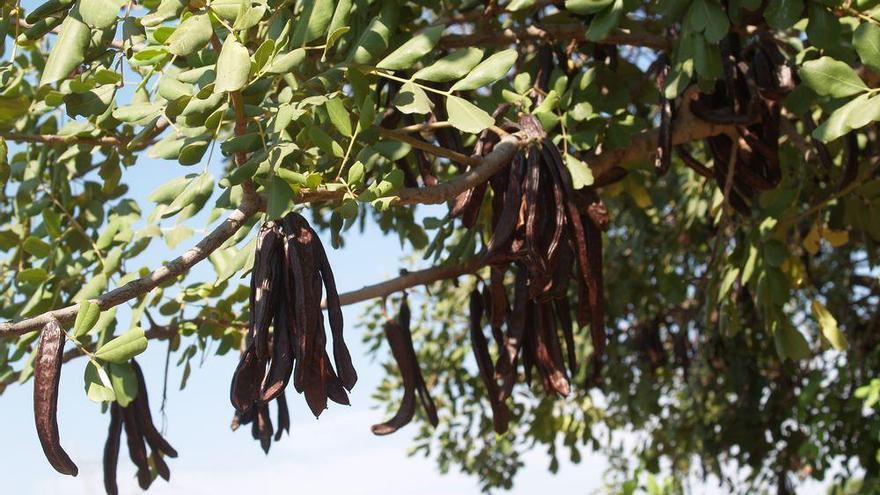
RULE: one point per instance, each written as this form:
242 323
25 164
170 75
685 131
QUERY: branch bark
561 32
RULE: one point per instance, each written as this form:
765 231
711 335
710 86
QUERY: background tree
733 144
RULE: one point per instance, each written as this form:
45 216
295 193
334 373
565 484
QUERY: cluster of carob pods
135 419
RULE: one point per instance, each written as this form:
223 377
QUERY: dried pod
111 449
47 374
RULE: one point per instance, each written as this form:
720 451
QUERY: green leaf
32 275
124 347
233 66
37 247
374 40
415 48
191 35
866 40
313 21
197 187
790 343
339 116
98 386
280 197
581 175
451 67
85 318
100 14
828 325
124 381
855 114
829 77
488 71
783 14
92 288
69 49
167 192
93 102
466 116
585 7
286 62
605 21
517 5
823 30
177 235
356 173
412 99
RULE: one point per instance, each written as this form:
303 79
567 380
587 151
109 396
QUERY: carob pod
341 355
141 405
406 410
505 371
663 155
137 451
500 412
283 416
47 374
111 449
405 318
399 337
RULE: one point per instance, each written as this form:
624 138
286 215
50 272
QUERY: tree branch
143 285
561 32
429 147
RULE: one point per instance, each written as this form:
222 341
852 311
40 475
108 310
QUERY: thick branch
686 128
412 279
500 156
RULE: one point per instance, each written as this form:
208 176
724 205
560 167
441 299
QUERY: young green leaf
313 21
100 14
581 175
339 116
412 99
190 36
855 114
86 318
488 71
866 40
124 382
233 66
69 49
466 116
356 174
605 21
586 7
451 67
98 386
829 77
417 47
124 347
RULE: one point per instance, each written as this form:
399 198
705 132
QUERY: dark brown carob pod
47 375
137 451
500 413
663 155
141 405
111 449
399 337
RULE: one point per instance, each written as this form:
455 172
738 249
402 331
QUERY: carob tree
664 217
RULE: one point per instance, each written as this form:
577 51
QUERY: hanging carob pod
749 97
47 376
286 337
399 337
140 432
480 346
663 155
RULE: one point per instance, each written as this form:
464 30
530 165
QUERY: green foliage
741 343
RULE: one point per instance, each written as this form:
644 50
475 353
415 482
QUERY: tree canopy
664 215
